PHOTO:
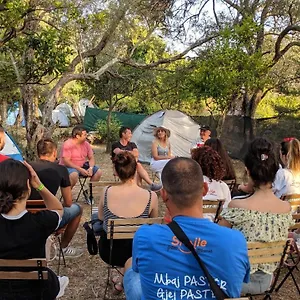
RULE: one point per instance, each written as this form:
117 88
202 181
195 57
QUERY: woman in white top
287 179
160 150
213 171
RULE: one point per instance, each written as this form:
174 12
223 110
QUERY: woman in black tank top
126 200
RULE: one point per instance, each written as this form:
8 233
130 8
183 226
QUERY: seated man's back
168 270
51 175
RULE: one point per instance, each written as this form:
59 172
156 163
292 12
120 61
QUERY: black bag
182 237
90 239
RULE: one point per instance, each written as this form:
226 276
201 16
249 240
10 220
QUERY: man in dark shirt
53 176
2 144
124 144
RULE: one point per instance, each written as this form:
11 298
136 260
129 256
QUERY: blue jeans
132 285
70 213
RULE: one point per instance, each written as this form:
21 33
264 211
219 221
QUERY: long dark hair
13 183
218 146
261 161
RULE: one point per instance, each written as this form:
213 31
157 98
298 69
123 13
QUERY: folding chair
293 258
272 252
34 206
82 180
12 269
231 183
124 229
213 207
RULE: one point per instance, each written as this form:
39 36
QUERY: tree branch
198 43
279 53
100 46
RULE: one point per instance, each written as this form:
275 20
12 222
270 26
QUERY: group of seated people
156 264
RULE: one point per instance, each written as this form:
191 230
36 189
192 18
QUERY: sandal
117 284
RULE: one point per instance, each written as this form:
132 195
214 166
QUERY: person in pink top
77 155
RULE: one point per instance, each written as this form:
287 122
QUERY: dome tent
66 109
11 149
183 131
60 118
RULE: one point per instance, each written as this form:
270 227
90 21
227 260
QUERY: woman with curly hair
213 171
216 144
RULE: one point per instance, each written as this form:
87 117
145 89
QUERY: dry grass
87 274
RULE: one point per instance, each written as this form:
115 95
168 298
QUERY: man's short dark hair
77 130
45 147
2 129
123 129
182 179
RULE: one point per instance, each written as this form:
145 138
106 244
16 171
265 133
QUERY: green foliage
228 68
278 105
102 129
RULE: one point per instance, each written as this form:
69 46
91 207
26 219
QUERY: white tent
66 109
59 117
82 105
183 131
11 149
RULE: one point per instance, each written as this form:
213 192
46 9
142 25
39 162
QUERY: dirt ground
88 273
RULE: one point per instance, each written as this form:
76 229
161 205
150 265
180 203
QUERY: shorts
85 166
70 213
132 285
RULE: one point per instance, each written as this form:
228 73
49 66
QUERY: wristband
40 187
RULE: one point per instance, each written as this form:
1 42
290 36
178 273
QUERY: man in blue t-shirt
163 268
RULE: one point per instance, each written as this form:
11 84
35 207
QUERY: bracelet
40 187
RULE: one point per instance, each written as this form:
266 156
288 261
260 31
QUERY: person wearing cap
204 136
160 150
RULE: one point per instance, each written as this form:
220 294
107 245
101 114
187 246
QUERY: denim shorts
72 170
70 213
132 285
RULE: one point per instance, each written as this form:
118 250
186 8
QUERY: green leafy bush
102 130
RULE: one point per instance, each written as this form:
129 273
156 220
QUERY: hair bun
6 202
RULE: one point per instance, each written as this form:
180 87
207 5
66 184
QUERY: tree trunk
3 111
108 123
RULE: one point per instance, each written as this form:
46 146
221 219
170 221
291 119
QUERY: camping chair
82 181
231 183
293 258
272 252
17 269
34 206
124 229
213 207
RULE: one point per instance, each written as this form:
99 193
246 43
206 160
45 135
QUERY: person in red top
77 155
2 144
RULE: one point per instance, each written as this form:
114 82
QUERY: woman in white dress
160 150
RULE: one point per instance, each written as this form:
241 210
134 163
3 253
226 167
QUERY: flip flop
117 284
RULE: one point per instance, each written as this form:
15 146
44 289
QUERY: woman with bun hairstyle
24 234
160 150
126 200
216 144
261 217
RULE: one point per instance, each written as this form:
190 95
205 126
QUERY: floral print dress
259 227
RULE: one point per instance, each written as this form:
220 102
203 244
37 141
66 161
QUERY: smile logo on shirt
196 243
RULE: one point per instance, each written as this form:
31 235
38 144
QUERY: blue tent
11 149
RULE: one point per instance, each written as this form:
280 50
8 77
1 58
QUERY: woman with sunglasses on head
160 150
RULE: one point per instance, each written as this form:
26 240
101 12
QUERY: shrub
102 132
